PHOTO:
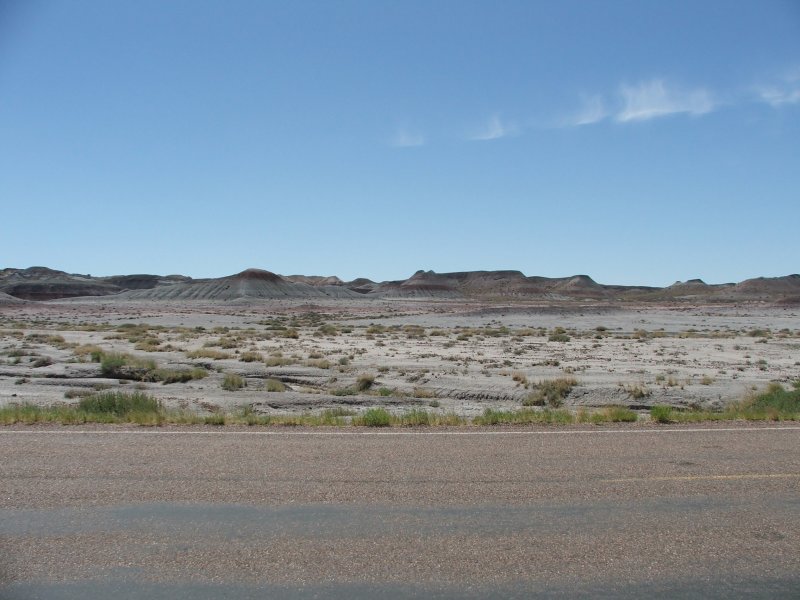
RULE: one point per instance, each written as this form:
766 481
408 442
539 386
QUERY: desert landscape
436 348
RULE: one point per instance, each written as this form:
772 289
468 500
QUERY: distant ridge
490 284
250 283
42 283
315 279
769 286
143 282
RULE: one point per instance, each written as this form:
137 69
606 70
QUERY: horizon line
193 278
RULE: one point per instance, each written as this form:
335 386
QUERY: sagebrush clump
550 392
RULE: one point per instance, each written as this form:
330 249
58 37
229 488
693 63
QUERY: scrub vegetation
550 392
775 404
127 367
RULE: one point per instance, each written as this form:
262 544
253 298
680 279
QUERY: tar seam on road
392 433
706 477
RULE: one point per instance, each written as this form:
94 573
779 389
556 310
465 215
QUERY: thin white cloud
495 128
653 99
593 111
407 138
778 97
785 91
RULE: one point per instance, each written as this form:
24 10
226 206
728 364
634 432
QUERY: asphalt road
607 513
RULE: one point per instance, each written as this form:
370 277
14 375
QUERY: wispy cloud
785 91
407 138
642 101
495 128
778 97
654 98
593 110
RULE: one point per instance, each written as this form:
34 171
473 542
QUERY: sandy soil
442 355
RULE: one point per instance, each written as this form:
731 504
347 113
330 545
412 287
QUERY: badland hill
42 283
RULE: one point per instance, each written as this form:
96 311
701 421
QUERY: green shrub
777 398
332 417
43 338
365 382
42 361
125 366
558 337
526 415
167 376
278 361
638 391
318 363
559 334
416 417
619 414
346 391
111 363
232 382
551 392
661 413
519 377
377 417
759 333
148 345
414 331
215 419
327 329
95 353
338 411
227 343
273 385
119 403
208 353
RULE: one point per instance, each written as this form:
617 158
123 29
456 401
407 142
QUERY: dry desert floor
285 357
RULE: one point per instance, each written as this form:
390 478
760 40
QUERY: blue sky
634 141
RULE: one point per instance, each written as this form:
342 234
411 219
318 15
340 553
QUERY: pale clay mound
144 281
252 283
317 280
6 299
